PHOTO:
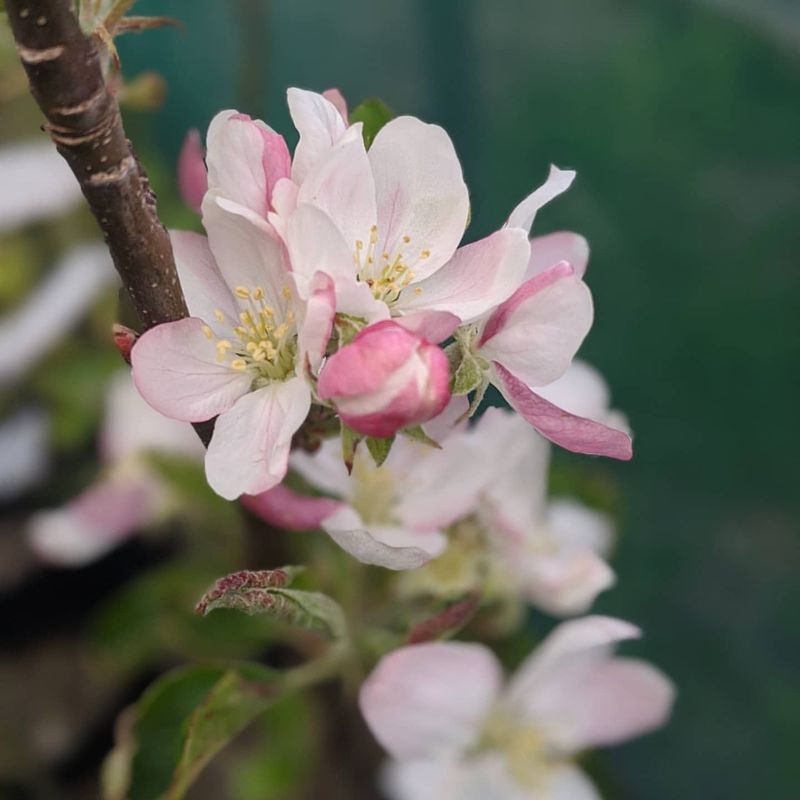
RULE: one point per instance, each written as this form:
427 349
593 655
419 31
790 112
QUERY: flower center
259 342
529 759
373 491
389 274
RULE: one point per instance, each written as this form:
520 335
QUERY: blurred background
683 122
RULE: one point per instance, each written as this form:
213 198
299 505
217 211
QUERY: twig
83 119
66 79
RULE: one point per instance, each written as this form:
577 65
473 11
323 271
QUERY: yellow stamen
207 332
219 314
242 291
239 364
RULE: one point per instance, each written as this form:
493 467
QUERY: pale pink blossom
385 379
246 351
528 341
394 515
192 172
516 543
386 224
129 495
551 552
454 732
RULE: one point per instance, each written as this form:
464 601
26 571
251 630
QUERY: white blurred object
53 308
24 453
129 495
35 183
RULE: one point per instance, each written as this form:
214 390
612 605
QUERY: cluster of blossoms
332 278
335 278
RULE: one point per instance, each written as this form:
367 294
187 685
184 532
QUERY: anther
207 332
242 292
239 364
219 314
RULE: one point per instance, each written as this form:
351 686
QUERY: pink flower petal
249 451
285 508
558 181
578 434
537 331
320 125
562 246
335 97
246 158
421 194
176 371
435 326
574 688
566 583
430 700
96 521
317 324
192 173
478 277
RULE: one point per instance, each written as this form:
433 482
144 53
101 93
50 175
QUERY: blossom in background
37 184
393 515
24 451
45 317
129 495
192 172
386 379
455 733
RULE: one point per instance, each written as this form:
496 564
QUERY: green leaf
159 733
347 326
181 722
265 592
379 449
233 702
468 376
416 433
374 114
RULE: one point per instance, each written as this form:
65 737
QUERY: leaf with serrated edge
240 590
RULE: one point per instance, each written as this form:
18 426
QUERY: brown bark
83 119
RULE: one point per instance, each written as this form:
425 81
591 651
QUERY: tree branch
66 79
83 119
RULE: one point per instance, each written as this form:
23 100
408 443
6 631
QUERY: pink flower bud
387 378
192 174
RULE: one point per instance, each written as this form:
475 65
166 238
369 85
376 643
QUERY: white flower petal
249 451
320 126
420 193
175 369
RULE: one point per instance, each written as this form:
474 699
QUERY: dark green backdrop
684 126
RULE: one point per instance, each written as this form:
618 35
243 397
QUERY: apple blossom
129 495
517 544
385 379
529 340
455 733
393 515
386 224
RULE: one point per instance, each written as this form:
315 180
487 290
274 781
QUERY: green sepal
379 448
